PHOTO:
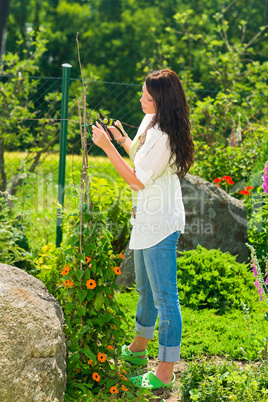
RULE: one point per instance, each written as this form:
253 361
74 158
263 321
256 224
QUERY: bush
49 264
209 382
14 247
212 279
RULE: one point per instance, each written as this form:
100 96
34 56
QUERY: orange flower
110 347
88 259
66 283
78 371
96 376
90 362
110 296
123 371
114 390
249 188
124 388
65 270
217 185
91 284
117 270
230 182
101 357
121 255
71 283
114 327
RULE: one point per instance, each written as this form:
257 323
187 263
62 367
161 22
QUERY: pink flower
265 178
266 281
256 283
254 269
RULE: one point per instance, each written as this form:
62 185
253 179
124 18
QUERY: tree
16 108
3 16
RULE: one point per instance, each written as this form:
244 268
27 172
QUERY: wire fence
29 147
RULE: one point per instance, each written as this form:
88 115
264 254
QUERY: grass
206 333
37 197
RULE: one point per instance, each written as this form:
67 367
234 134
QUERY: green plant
114 197
258 221
93 317
49 263
218 159
14 247
211 382
212 279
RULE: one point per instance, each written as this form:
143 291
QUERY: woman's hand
99 137
116 133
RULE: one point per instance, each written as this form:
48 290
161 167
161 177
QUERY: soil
174 395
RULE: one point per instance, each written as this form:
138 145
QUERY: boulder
214 219
32 344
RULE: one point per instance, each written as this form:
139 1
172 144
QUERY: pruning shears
105 122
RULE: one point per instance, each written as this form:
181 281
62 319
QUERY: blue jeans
156 283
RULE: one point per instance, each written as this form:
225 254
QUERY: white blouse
160 209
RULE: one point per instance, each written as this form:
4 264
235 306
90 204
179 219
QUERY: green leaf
82 311
82 294
79 274
99 302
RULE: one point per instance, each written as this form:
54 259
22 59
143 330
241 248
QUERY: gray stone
32 344
214 219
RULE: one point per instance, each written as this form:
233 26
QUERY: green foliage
93 317
212 279
49 263
212 382
14 247
131 31
217 160
258 226
113 198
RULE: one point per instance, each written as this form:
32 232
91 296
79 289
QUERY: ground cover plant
208 382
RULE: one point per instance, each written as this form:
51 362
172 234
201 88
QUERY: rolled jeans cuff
145 332
169 353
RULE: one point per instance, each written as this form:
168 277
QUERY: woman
162 153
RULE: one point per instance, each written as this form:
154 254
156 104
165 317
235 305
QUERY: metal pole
63 142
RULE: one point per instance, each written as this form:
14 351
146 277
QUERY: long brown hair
172 116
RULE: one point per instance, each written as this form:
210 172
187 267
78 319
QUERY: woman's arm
126 144
101 139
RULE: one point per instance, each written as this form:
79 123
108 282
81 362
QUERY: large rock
32 345
214 219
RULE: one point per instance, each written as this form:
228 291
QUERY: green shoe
150 381
134 358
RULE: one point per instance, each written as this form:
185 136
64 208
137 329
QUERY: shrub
49 263
14 247
209 382
212 279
